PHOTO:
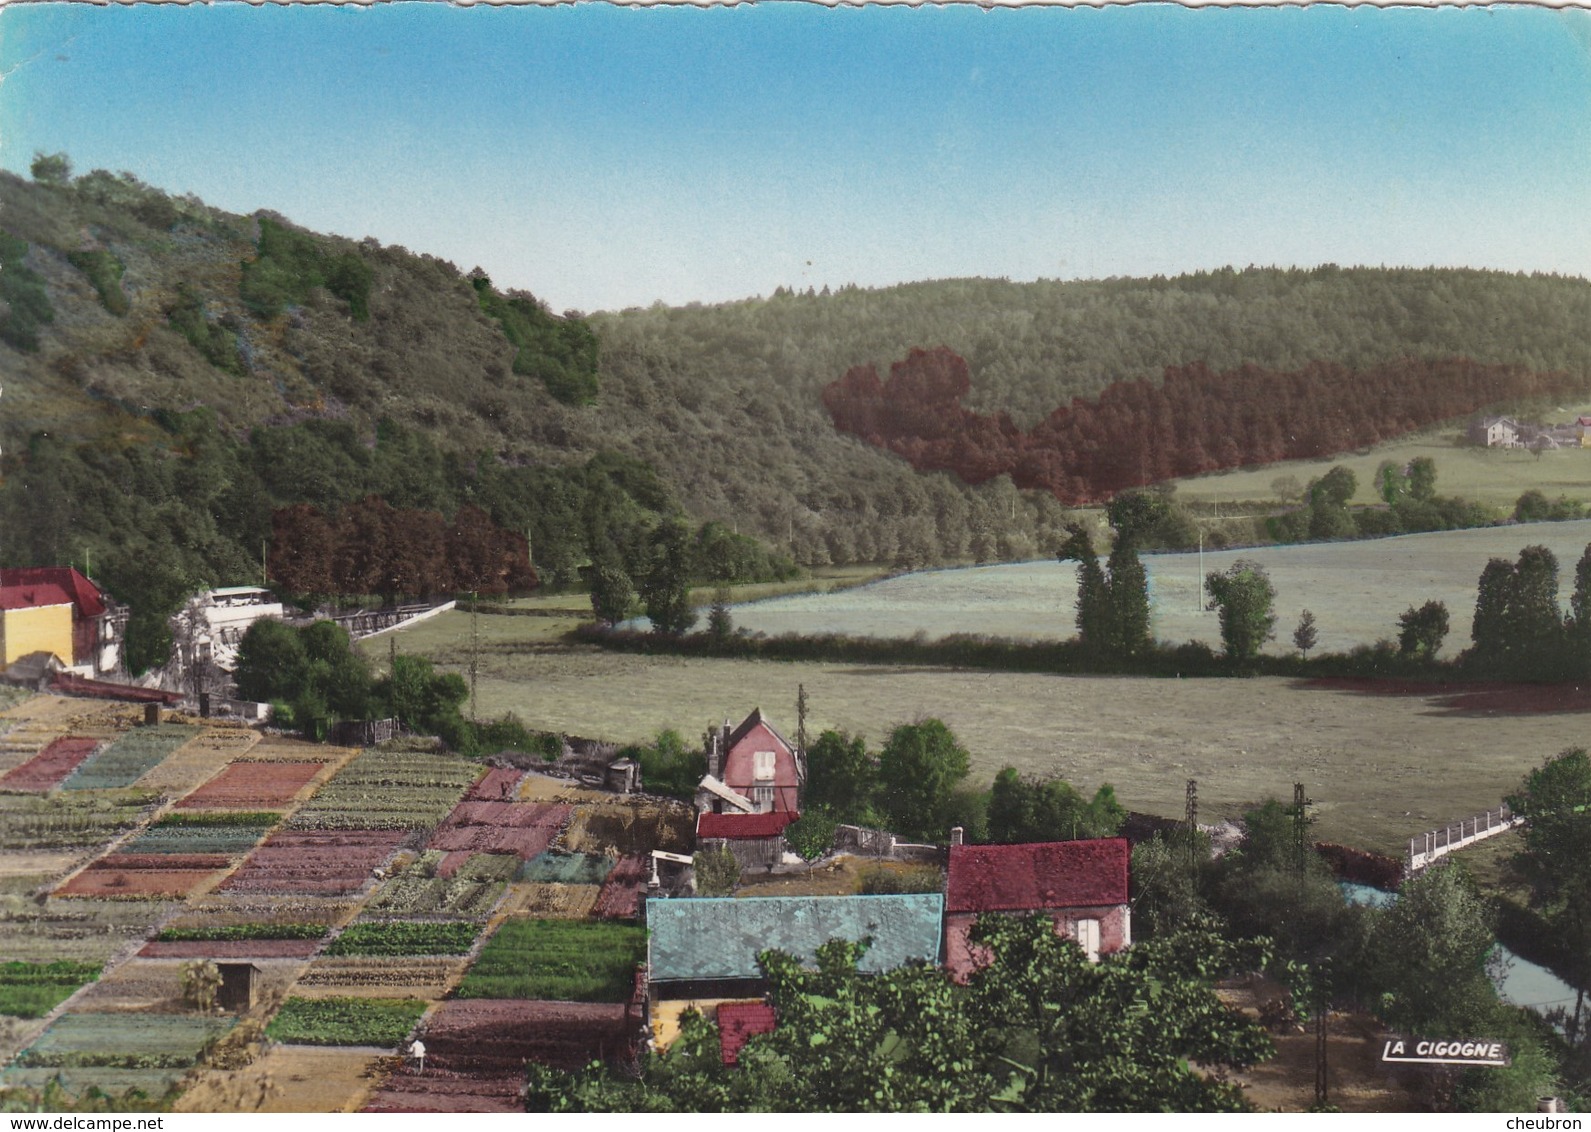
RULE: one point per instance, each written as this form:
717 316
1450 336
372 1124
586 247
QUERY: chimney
957 835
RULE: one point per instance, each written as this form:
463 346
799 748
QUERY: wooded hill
174 372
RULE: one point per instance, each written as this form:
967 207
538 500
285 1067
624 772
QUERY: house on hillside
58 611
702 952
756 840
1081 885
1582 431
755 764
1496 432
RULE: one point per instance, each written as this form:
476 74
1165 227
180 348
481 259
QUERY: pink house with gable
754 761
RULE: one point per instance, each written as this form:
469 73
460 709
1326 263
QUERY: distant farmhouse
1496 432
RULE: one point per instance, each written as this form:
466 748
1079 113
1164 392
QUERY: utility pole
1301 806
1192 818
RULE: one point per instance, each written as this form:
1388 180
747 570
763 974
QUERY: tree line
1195 420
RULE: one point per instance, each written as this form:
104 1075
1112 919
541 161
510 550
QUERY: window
762 797
764 766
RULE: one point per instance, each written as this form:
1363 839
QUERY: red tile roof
1051 874
78 589
740 1021
744 827
32 596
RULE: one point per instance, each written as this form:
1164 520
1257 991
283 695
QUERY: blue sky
604 157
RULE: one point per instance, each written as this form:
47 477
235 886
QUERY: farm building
1083 885
1496 432
755 764
756 840
56 610
706 949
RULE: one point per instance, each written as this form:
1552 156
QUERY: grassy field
1381 767
1495 476
1357 590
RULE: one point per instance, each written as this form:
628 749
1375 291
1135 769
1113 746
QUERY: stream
1521 982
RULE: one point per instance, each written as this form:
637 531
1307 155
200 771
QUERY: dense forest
1194 421
175 373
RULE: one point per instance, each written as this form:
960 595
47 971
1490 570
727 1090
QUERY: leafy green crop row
243 931
219 817
406 937
560 960
32 990
345 1021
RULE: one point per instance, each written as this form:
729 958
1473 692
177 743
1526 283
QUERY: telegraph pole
1192 817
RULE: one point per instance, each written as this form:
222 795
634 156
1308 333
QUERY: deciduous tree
918 771
1243 597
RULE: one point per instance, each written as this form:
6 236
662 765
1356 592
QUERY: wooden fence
1438 843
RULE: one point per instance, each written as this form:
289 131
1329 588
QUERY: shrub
105 272
717 871
811 835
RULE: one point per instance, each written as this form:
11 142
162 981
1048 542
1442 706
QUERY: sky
604 157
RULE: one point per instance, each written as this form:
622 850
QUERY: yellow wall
46 628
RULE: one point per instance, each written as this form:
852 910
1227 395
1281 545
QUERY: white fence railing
1438 843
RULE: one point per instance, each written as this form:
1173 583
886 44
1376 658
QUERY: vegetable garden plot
566 868
388 790
128 1042
346 1021
324 862
145 1085
381 976
145 875
231 833
427 888
253 785
500 784
69 820
129 757
199 760
476 1051
564 960
229 949
521 828
32 990
632 827
84 929
217 913
405 937
47 769
551 901
621 894
258 940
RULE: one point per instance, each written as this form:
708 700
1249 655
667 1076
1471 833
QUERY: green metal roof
700 938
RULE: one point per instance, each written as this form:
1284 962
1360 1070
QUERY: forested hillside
173 374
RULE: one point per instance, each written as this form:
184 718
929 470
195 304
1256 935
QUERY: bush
718 872
105 272
811 835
